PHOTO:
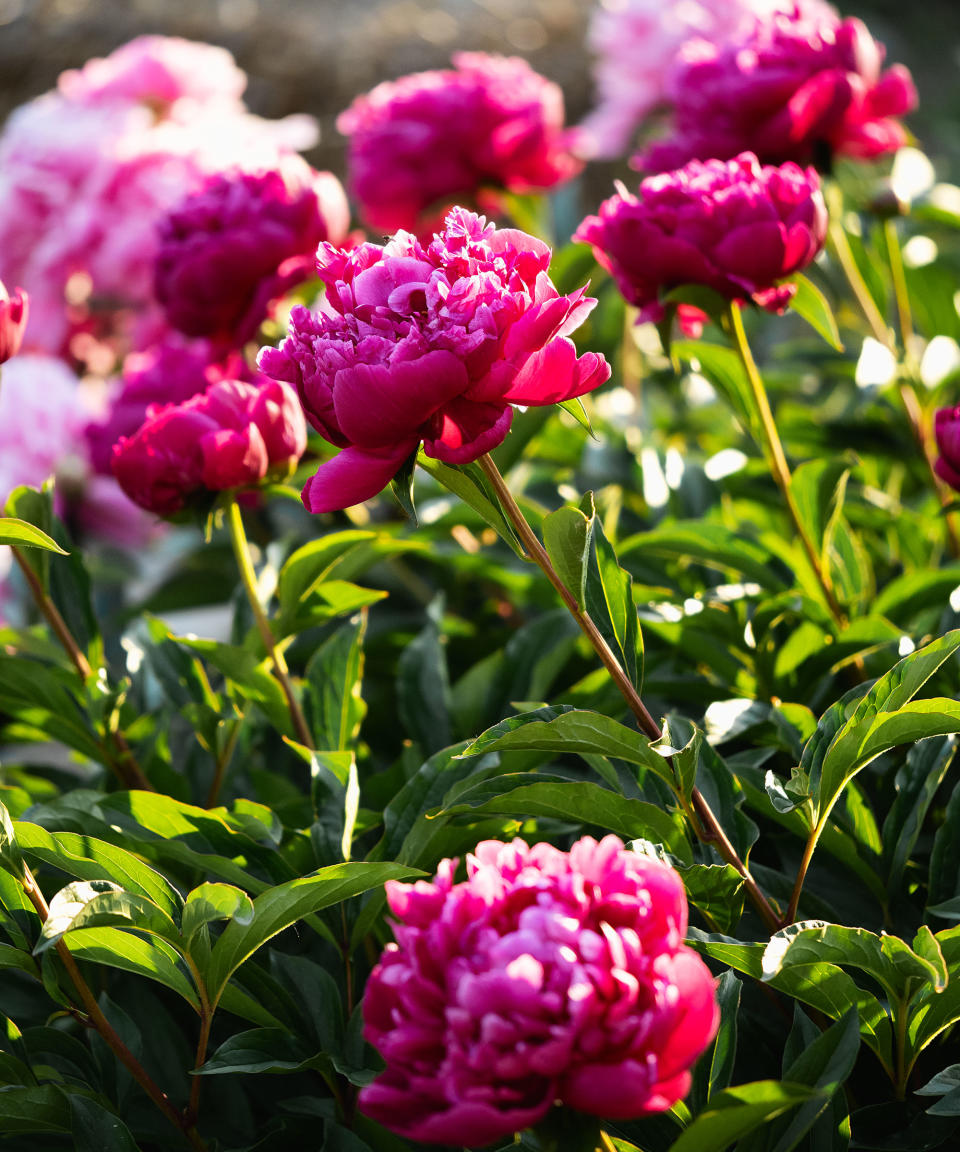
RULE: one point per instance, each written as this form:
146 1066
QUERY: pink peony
947 431
230 436
87 172
544 976
733 226
794 87
636 43
429 344
432 139
167 373
157 71
13 320
240 241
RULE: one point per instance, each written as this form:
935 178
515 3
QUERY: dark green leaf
810 303
567 535
731 1114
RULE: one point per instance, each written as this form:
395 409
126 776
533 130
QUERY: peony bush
490 682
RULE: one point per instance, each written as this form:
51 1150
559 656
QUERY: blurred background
316 55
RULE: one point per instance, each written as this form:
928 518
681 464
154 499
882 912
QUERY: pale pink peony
636 43
545 976
84 183
241 241
429 343
432 139
797 87
734 226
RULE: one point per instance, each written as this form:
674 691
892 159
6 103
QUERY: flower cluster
241 240
545 976
429 343
87 171
427 141
736 227
795 86
230 436
636 43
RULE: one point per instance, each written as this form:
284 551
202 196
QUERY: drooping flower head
231 436
241 240
429 343
797 86
432 139
734 226
636 43
13 320
544 976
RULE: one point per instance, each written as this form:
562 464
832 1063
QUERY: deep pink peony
13 320
545 976
636 43
429 344
794 87
240 241
230 436
426 141
947 431
733 226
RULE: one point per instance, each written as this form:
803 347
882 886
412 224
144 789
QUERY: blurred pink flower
544 976
87 173
795 87
14 311
240 241
947 430
424 142
733 226
230 436
429 343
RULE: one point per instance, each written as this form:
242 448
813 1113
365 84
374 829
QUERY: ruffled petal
352 476
468 430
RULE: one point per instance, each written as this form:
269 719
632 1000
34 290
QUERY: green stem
125 766
606 1144
241 551
223 761
808 851
102 1025
902 1072
773 450
900 290
848 262
706 826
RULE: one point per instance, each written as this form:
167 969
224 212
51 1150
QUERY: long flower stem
98 1021
126 768
707 826
241 551
773 449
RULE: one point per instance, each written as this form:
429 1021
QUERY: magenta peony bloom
240 241
795 87
230 436
733 226
636 43
545 976
426 141
13 320
947 432
429 344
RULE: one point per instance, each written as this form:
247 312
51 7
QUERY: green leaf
724 369
152 958
818 488
608 597
402 486
11 859
285 904
566 729
714 1070
24 535
33 1109
471 485
711 544
568 535
95 1129
86 858
716 890
257 1050
946 1085
334 678
423 689
211 902
731 1114
98 903
810 303
916 783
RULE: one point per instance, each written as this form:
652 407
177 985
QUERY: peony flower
166 373
795 87
230 436
733 226
87 172
544 976
13 320
429 344
432 139
636 43
947 432
240 241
